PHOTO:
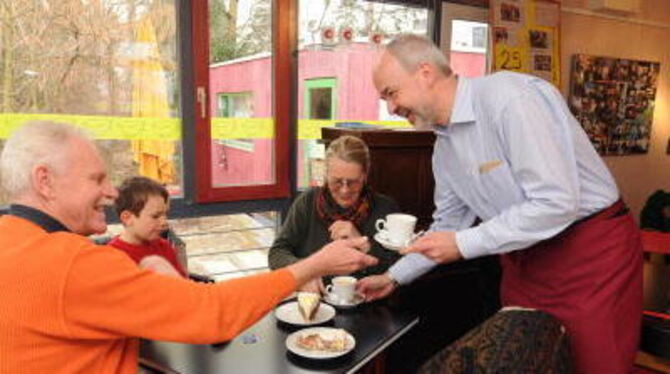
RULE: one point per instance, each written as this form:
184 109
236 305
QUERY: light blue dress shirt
514 156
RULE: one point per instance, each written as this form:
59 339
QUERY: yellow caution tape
146 128
243 128
102 127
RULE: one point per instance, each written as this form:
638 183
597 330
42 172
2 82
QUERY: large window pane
224 246
465 38
338 40
240 78
468 54
110 67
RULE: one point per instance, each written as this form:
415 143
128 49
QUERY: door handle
201 97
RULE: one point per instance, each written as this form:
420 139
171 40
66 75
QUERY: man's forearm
410 267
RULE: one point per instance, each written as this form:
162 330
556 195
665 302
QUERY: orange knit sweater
69 306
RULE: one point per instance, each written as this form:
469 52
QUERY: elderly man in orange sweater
69 306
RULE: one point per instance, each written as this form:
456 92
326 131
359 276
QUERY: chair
655 334
656 241
514 340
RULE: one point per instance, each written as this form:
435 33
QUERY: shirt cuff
410 267
470 243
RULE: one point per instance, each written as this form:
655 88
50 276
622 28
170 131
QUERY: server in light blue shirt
509 152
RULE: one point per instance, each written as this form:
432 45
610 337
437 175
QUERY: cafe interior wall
641 35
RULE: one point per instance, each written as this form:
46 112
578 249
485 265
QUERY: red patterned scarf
329 211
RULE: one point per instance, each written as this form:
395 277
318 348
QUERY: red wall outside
350 65
236 166
468 64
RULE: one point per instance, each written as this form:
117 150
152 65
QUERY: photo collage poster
526 37
613 99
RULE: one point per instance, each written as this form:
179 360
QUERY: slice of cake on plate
308 304
333 340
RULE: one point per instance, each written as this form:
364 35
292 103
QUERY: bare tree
223 30
7 54
75 57
234 35
364 17
72 56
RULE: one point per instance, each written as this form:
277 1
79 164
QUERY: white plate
290 314
292 343
332 300
386 244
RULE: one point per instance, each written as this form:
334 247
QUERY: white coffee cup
343 288
397 228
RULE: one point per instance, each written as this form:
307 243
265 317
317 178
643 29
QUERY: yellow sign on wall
526 37
510 58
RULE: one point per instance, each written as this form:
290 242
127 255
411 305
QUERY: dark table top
262 347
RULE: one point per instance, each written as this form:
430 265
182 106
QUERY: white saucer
381 239
292 343
289 313
334 301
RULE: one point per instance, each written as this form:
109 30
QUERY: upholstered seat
514 340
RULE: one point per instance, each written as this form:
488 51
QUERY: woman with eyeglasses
345 207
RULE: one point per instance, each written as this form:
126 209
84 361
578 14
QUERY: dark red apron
590 278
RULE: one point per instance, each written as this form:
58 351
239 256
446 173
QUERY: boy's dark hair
134 193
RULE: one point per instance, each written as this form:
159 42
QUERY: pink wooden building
332 84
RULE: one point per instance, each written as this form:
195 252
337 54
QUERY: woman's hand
315 285
345 230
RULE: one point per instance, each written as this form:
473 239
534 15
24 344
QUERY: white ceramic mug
343 288
397 228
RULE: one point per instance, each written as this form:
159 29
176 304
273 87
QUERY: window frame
192 43
326 82
229 97
196 142
204 191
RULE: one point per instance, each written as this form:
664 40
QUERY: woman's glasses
338 183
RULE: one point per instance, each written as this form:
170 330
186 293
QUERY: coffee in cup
343 288
397 228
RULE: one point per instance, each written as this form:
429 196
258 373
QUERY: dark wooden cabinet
400 167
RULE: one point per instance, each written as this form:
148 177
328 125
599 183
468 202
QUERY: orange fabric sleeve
106 296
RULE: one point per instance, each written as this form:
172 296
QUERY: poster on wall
525 37
541 42
613 99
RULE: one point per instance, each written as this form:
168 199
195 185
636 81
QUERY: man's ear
42 180
427 72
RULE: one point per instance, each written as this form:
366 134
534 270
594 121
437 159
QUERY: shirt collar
462 110
45 221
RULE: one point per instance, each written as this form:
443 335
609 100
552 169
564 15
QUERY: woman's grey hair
350 149
34 143
412 50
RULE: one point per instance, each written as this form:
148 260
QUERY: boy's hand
159 265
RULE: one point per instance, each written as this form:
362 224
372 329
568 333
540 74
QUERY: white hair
34 143
412 50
